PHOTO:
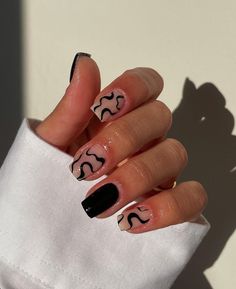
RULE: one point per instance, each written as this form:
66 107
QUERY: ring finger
136 177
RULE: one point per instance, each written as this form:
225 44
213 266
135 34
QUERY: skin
139 156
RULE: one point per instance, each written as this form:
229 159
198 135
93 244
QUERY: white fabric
48 241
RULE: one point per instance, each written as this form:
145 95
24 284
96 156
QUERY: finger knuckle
200 194
175 208
122 130
135 77
128 71
156 78
154 72
158 112
141 171
165 113
152 75
149 77
134 74
177 151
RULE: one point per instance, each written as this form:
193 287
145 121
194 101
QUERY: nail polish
77 56
108 105
88 162
100 200
134 218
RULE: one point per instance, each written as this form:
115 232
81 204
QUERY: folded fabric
48 241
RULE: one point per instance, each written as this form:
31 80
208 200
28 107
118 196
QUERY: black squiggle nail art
140 213
104 97
108 105
134 215
142 209
118 102
87 163
120 218
106 110
74 162
99 159
82 173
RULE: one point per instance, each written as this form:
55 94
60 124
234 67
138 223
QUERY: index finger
131 89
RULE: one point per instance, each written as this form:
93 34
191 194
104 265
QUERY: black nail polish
77 55
102 199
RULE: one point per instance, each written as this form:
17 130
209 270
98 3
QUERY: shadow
203 124
11 73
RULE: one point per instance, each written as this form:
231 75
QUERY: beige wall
184 38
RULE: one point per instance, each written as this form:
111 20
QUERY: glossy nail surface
76 58
106 106
88 162
100 200
134 218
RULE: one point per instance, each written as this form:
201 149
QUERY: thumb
72 114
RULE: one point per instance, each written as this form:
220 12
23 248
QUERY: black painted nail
77 55
100 200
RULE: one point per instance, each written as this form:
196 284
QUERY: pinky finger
183 203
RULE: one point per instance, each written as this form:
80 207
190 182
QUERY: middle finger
139 175
121 139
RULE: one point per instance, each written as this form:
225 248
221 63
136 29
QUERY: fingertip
77 56
84 67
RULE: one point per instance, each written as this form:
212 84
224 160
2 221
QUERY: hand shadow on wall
203 124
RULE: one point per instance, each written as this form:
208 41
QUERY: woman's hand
120 132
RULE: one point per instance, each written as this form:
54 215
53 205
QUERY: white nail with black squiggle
134 218
108 105
88 162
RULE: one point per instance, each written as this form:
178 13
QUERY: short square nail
88 162
106 106
100 200
134 218
77 56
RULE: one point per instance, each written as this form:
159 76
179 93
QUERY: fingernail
88 162
102 199
134 218
77 56
106 106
